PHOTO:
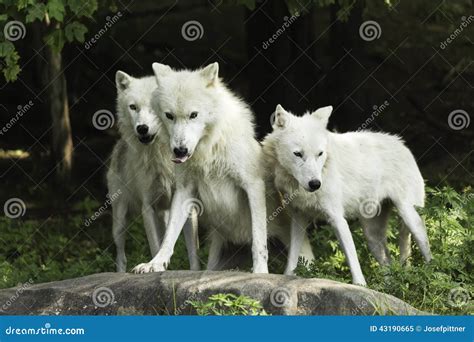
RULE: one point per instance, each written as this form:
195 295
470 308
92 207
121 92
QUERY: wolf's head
301 145
134 103
184 101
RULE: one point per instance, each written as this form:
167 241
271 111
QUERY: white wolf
212 137
356 175
141 170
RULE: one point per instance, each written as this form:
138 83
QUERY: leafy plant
431 287
228 304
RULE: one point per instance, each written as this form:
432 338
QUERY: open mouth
146 139
180 160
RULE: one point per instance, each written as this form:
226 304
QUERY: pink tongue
179 160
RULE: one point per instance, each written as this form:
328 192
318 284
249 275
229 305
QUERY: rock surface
167 293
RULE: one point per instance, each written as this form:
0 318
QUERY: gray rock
168 293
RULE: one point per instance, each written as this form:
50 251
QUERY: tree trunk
59 110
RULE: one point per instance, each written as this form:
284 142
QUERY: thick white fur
223 169
141 175
355 170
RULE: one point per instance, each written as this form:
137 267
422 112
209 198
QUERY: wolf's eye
193 115
298 154
133 107
169 115
320 154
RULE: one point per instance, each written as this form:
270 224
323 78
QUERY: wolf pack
186 138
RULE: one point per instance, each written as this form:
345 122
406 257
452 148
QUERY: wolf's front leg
256 196
298 233
178 216
191 238
151 225
339 223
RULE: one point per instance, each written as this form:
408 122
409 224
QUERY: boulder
169 293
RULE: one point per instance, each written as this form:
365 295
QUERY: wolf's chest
220 194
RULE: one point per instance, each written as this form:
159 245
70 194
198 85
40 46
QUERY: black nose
142 129
314 184
180 152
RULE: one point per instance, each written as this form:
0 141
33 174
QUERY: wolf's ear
211 73
122 80
322 114
281 117
160 70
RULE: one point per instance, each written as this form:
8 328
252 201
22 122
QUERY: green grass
438 287
61 247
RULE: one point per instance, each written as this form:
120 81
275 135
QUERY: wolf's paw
148 267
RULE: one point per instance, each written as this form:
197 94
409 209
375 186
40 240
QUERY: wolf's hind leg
375 231
417 227
404 241
215 252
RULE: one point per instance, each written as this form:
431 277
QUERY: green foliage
63 22
228 304
47 249
53 249
449 217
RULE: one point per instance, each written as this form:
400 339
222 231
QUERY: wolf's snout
180 152
142 129
314 184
